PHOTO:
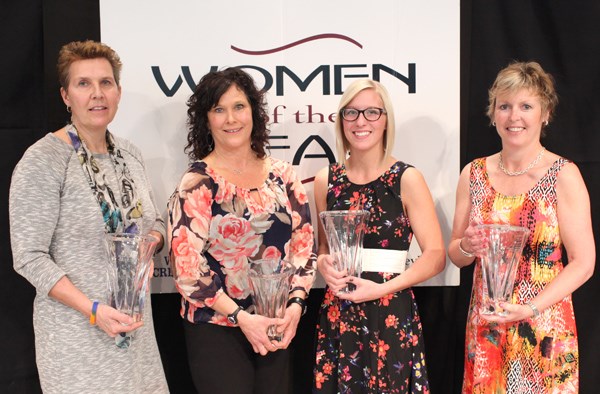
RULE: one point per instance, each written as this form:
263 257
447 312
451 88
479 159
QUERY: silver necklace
529 167
236 171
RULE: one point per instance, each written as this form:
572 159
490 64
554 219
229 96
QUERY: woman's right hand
255 329
113 322
473 240
335 279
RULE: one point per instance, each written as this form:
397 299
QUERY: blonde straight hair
342 144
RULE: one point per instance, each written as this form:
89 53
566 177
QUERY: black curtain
562 35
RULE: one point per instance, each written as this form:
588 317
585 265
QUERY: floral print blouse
216 228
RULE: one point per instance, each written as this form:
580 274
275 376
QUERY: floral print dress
215 228
375 346
536 355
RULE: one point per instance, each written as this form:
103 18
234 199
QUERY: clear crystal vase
499 264
130 259
345 231
271 280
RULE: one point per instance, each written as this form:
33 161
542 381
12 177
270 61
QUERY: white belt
384 260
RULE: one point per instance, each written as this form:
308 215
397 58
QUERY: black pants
222 361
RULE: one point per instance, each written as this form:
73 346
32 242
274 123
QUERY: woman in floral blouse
233 205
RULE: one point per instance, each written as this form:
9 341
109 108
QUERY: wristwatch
232 317
297 300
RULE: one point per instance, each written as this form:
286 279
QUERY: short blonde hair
524 75
83 50
342 144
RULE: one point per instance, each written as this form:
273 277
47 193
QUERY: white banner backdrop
305 53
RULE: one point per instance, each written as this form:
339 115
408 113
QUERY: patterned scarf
112 212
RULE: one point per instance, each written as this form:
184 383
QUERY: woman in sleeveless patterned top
533 348
370 340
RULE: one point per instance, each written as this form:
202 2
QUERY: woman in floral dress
370 340
233 205
533 349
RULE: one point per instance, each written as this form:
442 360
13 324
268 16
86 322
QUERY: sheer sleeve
302 247
189 217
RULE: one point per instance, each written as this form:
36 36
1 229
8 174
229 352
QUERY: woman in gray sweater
71 188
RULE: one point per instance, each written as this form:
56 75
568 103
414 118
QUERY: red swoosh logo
295 43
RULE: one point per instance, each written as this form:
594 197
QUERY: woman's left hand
514 312
366 290
289 325
160 238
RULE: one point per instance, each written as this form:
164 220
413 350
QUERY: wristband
93 315
297 300
536 311
464 252
297 288
232 317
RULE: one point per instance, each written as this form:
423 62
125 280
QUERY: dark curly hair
207 94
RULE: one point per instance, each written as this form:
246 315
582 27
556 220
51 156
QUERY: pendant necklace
236 171
529 167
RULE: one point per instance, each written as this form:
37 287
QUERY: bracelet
93 315
297 288
464 252
297 300
536 311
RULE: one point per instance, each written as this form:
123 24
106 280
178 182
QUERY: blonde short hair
524 75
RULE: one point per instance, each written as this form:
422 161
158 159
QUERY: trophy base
123 340
350 287
273 334
492 308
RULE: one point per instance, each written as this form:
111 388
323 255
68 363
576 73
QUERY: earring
68 108
210 143
494 124
546 122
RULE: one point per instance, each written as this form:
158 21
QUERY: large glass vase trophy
499 264
345 231
271 280
130 259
